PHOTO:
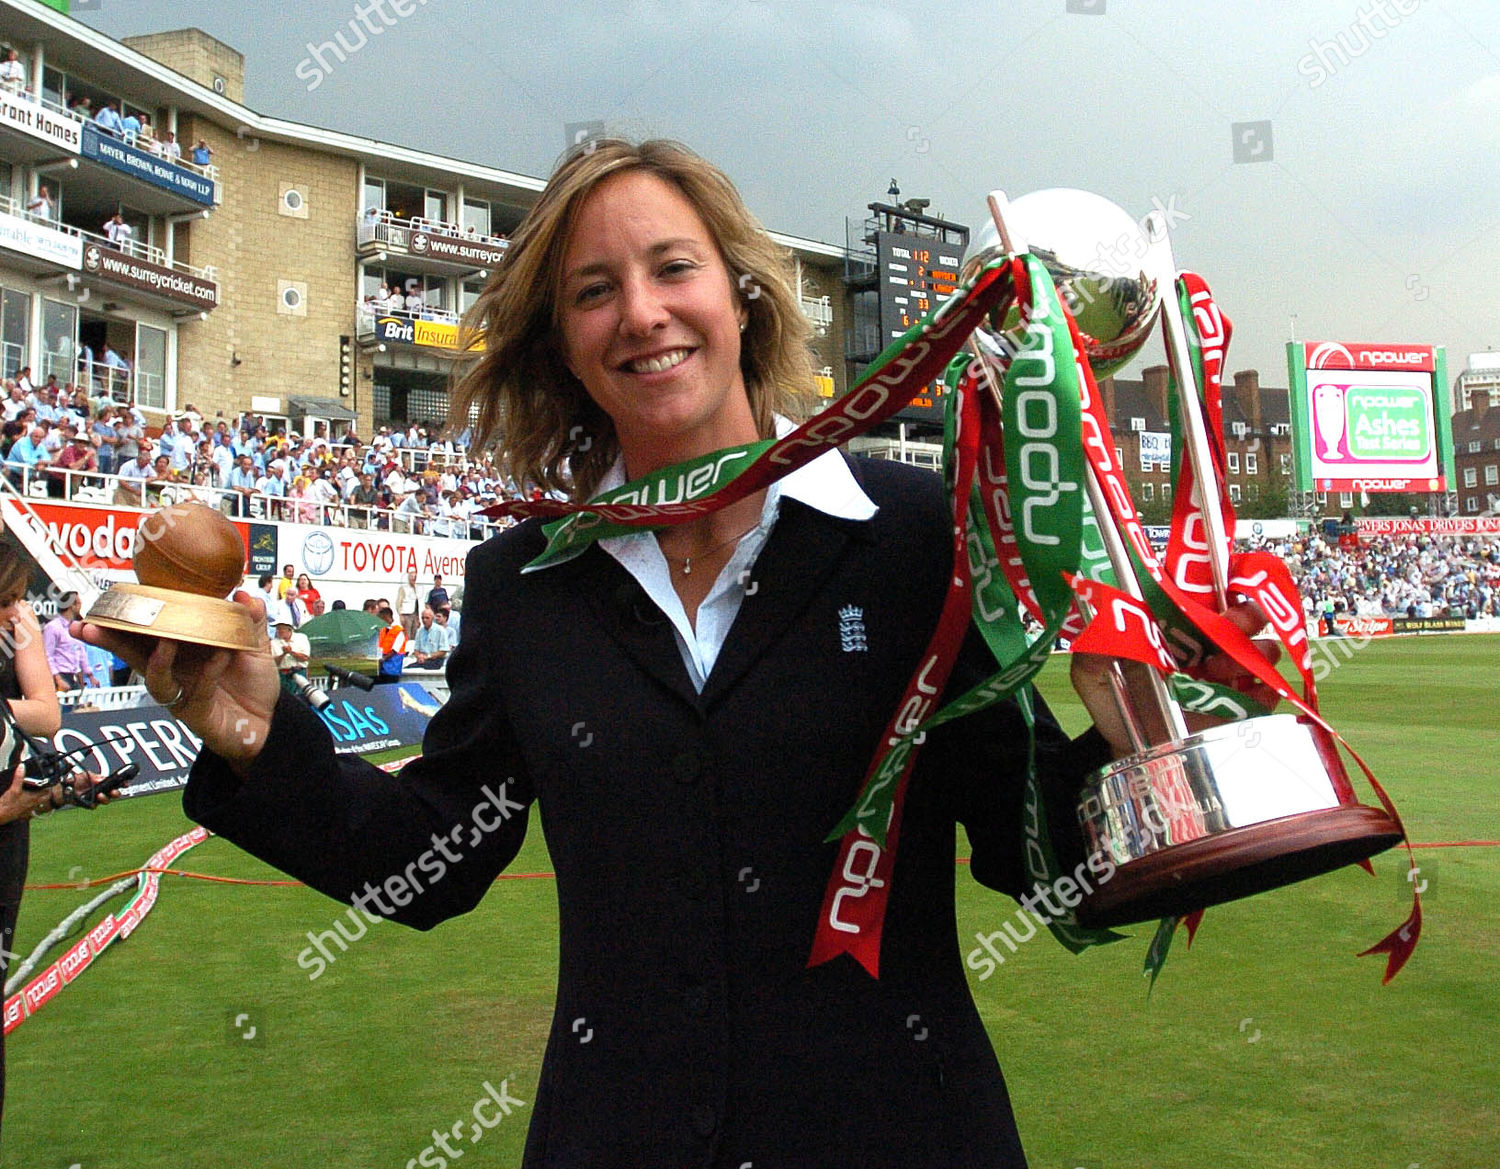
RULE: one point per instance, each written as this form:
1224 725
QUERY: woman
307 595
303 509
26 684
680 706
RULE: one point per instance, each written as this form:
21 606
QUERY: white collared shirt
825 484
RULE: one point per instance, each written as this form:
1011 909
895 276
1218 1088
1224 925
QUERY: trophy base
1224 814
176 616
1239 863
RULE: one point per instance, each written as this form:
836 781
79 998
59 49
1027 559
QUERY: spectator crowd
1396 576
403 479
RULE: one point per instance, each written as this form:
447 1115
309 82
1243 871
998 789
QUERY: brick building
1476 456
243 281
1257 440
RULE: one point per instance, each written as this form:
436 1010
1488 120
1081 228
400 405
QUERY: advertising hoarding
1371 418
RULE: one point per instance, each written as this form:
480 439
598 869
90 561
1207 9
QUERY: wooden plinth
1238 863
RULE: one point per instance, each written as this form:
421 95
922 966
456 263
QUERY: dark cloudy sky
1371 212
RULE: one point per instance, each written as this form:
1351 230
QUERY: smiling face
650 323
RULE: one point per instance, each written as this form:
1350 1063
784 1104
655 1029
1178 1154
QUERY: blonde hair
522 396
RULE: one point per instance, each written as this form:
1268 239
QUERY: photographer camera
291 652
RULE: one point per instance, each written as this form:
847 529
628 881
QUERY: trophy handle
1190 407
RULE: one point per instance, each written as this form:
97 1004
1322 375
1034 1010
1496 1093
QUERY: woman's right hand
225 697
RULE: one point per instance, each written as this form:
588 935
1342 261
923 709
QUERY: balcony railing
379 226
152 144
95 487
819 311
134 387
136 249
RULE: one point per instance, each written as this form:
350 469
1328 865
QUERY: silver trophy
1190 820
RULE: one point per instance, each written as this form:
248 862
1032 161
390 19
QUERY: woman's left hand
1090 676
18 801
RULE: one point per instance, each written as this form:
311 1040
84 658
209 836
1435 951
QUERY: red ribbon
852 919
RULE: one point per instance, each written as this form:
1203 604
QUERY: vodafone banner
100 538
1482 525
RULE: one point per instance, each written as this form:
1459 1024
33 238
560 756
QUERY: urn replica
188 558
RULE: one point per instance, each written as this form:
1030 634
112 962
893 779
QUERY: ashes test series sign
1371 418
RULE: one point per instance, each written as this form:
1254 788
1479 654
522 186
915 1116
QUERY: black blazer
687 835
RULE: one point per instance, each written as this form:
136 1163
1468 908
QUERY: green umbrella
343 633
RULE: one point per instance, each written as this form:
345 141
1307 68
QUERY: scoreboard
915 274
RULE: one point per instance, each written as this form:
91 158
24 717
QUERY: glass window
1491 475
1252 491
436 207
1474 447
374 194
1234 492
59 340
1471 504
1471 477
1346 499
6 181
1234 462
477 216
15 326
471 291
54 84
1148 491
1286 464
151 366
1251 463
1166 492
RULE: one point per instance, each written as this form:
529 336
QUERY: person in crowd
116 367
362 499
307 594
108 119
437 595
40 205
171 149
430 646
15 400
130 126
78 458
27 454
291 652
131 479
243 481
12 73
202 155
67 656
301 507
448 618
119 233
393 645
409 603
161 476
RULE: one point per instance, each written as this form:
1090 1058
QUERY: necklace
687 561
